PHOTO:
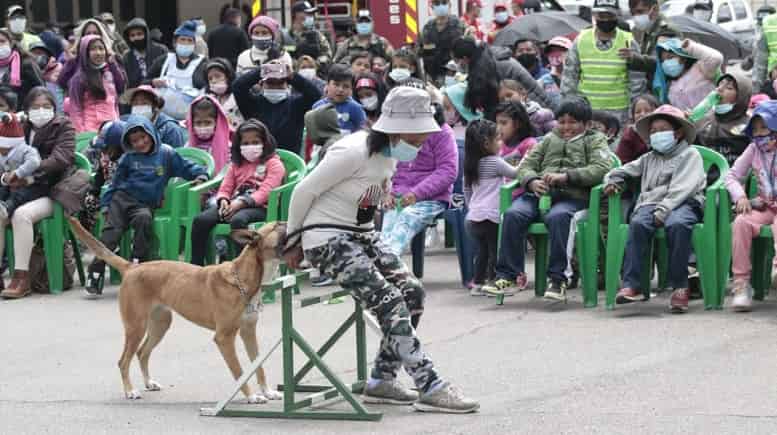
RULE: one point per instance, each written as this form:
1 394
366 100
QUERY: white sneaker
446 398
742 299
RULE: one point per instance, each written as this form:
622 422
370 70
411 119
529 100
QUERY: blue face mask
184 50
364 28
663 141
404 152
310 21
722 109
672 67
441 10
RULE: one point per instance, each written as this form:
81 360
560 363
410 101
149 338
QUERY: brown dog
214 297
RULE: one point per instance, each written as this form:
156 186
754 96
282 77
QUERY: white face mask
40 117
400 74
112 28
251 152
370 103
307 73
219 88
642 22
275 96
205 133
145 111
5 51
17 26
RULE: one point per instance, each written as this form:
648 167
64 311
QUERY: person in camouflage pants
382 284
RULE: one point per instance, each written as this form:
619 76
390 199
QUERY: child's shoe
521 282
94 285
500 287
678 303
627 295
477 290
742 299
557 291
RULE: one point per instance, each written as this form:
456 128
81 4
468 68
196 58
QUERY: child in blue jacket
137 188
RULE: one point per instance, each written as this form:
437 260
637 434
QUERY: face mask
528 60
40 117
184 50
100 66
606 26
399 74
138 44
5 51
204 133
701 14
364 28
642 22
144 111
219 88
370 103
307 73
275 96
450 81
672 67
251 152
201 29
451 117
112 28
441 10
262 42
722 109
17 25
404 152
501 17
663 141
310 21
42 61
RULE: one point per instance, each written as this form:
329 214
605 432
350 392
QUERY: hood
219 144
322 124
106 36
111 135
768 112
53 42
134 122
83 50
136 23
744 92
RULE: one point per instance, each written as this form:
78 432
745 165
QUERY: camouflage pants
382 284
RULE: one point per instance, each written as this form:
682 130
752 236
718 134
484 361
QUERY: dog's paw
153 385
257 399
132 395
272 394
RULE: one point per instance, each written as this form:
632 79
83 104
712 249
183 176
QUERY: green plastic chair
83 140
705 241
587 241
53 231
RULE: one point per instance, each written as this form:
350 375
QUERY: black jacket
227 41
153 52
30 78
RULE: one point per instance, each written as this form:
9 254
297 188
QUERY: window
85 8
127 10
724 14
40 11
739 9
106 6
65 12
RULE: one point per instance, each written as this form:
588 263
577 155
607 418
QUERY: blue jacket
145 176
170 131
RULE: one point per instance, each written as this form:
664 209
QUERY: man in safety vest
593 68
765 61
365 39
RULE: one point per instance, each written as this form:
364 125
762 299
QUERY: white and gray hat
407 110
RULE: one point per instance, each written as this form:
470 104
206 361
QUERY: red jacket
474 23
260 177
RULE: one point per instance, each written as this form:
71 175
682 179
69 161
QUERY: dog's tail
99 250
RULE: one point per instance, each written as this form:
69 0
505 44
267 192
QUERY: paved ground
537 368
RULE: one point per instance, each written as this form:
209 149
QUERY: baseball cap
606 6
15 10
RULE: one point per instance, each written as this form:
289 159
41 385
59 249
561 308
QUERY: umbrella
542 26
709 34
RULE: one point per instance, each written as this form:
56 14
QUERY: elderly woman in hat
345 190
672 181
183 69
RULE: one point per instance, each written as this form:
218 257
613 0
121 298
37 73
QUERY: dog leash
284 247
241 287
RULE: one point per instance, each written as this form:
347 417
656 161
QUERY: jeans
515 227
486 233
399 228
205 221
126 212
679 226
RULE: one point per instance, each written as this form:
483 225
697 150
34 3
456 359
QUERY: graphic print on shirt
369 202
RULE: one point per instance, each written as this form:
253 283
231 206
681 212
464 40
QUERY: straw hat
666 111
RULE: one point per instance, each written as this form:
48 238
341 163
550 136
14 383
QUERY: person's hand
555 179
233 208
294 257
199 180
389 202
611 189
17 182
626 53
408 199
538 186
743 206
223 205
658 220
159 83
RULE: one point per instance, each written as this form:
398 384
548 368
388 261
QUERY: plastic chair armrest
506 195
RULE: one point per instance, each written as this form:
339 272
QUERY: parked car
736 16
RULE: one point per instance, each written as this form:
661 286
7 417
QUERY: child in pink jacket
758 158
241 200
516 134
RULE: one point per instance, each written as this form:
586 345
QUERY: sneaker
446 398
94 285
499 287
321 281
694 284
742 299
557 291
477 290
678 303
628 295
521 282
388 392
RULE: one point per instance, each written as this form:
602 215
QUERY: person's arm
739 172
760 64
688 178
307 89
531 165
599 163
341 52
618 176
272 179
536 92
570 77
122 169
63 153
68 70
359 116
504 169
30 162
241 89
228 184
174 134
446 159
325 47
637 79
709 59
186 169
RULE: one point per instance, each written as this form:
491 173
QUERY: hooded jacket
725 133
145 176
219 145
153 52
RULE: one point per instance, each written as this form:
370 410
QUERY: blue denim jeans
400 228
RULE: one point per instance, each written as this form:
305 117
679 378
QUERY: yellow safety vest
604 77
769 27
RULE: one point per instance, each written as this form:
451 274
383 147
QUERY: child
17 162
361 63
220 77
515 131
136 190
107 150
404 66
209 129
307 67
608 124
631 146
671 196
541 119
565 165
761 210
371 91
94 88
256 169
484 172
339 87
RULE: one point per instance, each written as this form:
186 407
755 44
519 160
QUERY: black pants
14 198
486 233
205 221
127 212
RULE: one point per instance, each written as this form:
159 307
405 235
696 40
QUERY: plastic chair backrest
82 162
295 166
713 158
84 139
199 157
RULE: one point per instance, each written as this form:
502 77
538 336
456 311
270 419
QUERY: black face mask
606 26
528 60
42 61
138 44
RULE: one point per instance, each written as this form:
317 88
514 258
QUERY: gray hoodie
666 180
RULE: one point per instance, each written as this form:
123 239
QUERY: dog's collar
241 287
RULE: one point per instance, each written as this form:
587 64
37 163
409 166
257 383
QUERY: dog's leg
159 322
133 333
248 335
225 340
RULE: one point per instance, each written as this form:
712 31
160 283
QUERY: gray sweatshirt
22 159
667 181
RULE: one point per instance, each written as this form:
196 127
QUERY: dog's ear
245 237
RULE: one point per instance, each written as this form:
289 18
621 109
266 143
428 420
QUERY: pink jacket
693 86
756 160
258 177
95 111
513 155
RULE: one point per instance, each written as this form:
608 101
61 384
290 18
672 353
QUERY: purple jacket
432 174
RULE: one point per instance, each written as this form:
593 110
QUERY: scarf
14 64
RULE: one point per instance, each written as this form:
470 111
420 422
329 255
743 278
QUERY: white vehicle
732 15
575 6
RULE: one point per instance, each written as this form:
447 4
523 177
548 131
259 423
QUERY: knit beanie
187 28
11 132
264 21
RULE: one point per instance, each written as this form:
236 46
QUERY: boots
19 287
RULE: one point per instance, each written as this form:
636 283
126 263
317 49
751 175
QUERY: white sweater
345 189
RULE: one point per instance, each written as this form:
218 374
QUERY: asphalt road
536 367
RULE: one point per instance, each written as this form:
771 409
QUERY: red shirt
496 27
475 23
